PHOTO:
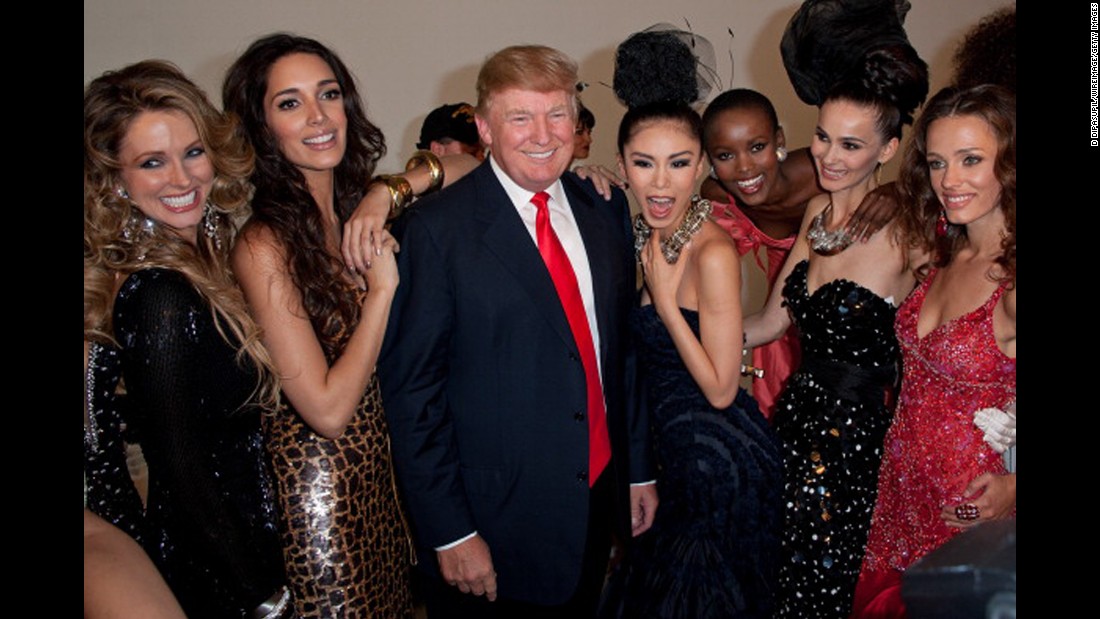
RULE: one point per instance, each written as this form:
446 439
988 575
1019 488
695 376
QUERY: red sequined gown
780 358
933 449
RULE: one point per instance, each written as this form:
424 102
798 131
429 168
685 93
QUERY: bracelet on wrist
435 168
274 606
401 192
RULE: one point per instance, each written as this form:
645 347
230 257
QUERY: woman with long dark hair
842 295
345 542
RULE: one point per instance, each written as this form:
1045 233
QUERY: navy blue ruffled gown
713 547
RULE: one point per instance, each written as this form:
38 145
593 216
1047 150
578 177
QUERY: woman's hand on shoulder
712 190
602 179
877 209
382 277
362 237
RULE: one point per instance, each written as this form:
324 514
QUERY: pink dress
780 358
933 450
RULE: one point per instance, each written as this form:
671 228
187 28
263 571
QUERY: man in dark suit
507 373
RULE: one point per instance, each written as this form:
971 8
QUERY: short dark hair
585 117
739 99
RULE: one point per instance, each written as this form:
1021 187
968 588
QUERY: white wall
412 55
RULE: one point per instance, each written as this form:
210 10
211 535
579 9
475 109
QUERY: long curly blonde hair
118 239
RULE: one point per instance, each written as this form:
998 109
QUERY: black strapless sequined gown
832 418
712 549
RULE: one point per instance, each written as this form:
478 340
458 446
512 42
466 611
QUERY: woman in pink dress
759 196
957 333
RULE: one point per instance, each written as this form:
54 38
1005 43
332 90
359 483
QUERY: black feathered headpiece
663 64
827 41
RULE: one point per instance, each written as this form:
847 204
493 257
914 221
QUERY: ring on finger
967 512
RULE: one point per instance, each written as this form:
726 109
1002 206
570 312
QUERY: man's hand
469 567
643 505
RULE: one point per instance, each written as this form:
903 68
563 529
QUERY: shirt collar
521 197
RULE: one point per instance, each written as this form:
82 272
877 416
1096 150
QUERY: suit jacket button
578 416
582 476
573 357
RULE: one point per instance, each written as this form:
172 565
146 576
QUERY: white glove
999 426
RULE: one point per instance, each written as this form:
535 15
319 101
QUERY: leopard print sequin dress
345 543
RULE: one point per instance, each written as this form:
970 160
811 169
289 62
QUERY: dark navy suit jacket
484 389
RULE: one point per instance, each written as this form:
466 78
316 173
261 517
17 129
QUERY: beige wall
412 55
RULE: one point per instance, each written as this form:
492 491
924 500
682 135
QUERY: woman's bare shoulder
713 250
258 243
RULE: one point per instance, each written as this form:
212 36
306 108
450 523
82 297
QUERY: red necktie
565 281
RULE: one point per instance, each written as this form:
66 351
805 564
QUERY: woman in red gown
958 338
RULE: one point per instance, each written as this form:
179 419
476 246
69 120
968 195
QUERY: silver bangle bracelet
274 606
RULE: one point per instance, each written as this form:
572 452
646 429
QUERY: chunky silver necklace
825 242
671 247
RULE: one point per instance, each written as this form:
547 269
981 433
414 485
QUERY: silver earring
781 154
713 174
210 224
137 230
122 193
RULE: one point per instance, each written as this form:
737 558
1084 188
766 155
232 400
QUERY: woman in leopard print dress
345 543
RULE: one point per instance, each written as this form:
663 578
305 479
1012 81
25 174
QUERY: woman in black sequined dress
842 296
163 175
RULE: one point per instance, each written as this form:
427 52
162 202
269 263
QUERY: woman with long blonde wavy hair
171 353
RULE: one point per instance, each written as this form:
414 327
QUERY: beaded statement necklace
825 242
671 247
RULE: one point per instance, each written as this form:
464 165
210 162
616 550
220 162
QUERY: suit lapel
506 237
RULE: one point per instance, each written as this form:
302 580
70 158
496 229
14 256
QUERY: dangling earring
713 174
210 224
137 229
122 193
941 224
780 154
878 174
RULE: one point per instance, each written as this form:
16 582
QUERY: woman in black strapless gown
711 551
834 412
832 418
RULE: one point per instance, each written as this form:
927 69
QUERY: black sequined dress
210 518
832 419
109 491
714 542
